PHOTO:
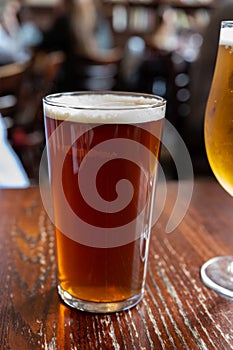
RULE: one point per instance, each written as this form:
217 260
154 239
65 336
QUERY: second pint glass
103 151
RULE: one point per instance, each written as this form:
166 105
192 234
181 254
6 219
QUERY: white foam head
104 108
226 36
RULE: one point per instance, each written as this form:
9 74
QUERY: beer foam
104 108
226 36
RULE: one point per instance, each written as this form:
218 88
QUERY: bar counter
177 312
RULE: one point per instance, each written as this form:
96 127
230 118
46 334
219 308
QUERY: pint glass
103 151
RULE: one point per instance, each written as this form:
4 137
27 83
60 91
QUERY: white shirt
11 50
12 173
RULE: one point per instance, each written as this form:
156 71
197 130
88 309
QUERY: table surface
177 312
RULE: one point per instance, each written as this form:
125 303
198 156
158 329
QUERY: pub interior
163 47
147 46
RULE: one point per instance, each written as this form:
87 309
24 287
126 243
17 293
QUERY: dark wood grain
177 312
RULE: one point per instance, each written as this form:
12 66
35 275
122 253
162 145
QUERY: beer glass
217 273
103 150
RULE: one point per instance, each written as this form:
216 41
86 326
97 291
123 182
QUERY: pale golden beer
122 133
219 114
216 273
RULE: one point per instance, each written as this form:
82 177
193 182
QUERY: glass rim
159 100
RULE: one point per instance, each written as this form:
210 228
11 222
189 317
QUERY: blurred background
162 47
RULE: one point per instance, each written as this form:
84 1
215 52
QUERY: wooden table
177 312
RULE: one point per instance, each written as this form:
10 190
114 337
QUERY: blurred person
87 26
80 28
165 37
81 31
16 39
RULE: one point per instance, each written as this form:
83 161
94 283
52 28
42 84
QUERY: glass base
98 307
217 274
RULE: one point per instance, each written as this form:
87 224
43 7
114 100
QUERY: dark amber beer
103 151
